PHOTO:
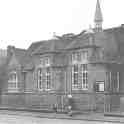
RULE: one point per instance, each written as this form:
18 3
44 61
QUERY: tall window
48 79
80 77
40 78
13 81
44 74
84 76
79 70
114 81
75 83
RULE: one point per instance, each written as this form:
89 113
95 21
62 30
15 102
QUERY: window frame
99 82
48 81
46 76
84 77
12 82
40 81
84 55
79 59
75 85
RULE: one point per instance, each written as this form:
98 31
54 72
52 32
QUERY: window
13 81
79 70
40 78
114 81
84 56
47 62
48 79
99 87
75 83
76 57
41 62
79 57
44 62
80 77
44 74
84 76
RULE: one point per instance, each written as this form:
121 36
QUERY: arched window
13 81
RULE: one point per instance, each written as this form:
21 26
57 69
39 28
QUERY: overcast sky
25 21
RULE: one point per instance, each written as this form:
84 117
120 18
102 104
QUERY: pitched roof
19 54
81 41
53 45
110 39
34 46
22 57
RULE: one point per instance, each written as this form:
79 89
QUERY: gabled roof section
34 46
19 54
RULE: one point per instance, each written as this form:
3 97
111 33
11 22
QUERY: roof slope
19 54
112 40
33 47
79 42
53 45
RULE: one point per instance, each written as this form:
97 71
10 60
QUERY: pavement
85 116
26 119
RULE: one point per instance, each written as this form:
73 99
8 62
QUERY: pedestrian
55 107
69 105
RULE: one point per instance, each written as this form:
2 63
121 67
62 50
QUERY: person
55 107
69 104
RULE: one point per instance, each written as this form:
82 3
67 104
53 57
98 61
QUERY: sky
25 21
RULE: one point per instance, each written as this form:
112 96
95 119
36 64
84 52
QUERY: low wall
83 102
13 100
80 102
41 101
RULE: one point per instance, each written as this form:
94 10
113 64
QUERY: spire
98 19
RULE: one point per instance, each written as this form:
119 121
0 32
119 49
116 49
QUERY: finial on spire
98 19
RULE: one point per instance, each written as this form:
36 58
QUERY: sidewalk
77 116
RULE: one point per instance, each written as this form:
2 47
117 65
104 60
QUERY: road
23 119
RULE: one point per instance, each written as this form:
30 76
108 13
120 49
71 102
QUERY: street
24 119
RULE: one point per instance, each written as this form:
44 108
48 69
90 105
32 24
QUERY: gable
13 61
